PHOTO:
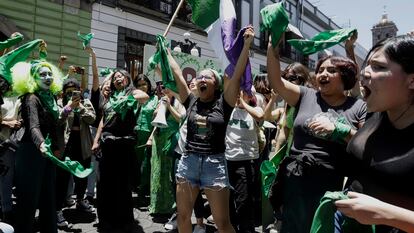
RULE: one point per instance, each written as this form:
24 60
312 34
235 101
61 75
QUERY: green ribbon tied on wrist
341 131
85 39
74 167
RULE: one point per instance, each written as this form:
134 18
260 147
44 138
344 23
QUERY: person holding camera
75 118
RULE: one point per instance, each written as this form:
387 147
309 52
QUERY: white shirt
241 136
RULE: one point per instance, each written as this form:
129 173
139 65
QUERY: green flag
160 57
204 12
85 39
19 54
11 41
322 41
275 20
73 167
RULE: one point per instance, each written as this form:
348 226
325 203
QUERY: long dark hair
347 69
398 49
140 77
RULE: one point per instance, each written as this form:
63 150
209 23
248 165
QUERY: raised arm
140 96
95 77
255 112
231 92
183 89
287 90
350 53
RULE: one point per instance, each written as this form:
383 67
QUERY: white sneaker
199 229
172 223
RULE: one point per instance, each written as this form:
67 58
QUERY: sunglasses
292 78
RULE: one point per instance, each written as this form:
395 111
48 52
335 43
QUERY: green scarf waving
73 167
160 57
122 103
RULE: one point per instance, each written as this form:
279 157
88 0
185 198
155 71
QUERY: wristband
67 109
341 130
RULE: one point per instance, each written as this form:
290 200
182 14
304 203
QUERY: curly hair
347 69
23 74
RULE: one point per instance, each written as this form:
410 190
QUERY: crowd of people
211 142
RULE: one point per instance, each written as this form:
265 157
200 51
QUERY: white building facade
123 27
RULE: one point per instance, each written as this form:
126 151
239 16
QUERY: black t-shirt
383 161
206 124
326 152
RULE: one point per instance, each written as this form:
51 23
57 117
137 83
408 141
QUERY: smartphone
76 94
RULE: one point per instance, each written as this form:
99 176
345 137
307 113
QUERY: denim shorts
203 171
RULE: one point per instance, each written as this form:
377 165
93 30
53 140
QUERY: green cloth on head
74 167
85 39
275 20
324 218
322 41
49 101
19 54
11 41
122 103
341 130
160 57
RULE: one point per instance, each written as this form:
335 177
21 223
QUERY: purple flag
232 48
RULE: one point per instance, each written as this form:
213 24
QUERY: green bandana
85 39
322 41
19 54
161 57
73 167
105 72
275 20
50 103
324 222
11 41
121 103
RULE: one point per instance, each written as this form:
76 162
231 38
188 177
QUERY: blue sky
363 14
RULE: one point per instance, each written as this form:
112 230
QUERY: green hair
24 81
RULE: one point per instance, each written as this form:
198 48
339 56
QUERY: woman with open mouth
203 165
383 150
119 114
326 119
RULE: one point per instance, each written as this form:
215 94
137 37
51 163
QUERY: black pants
74 151
35 188
114 188
243 179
